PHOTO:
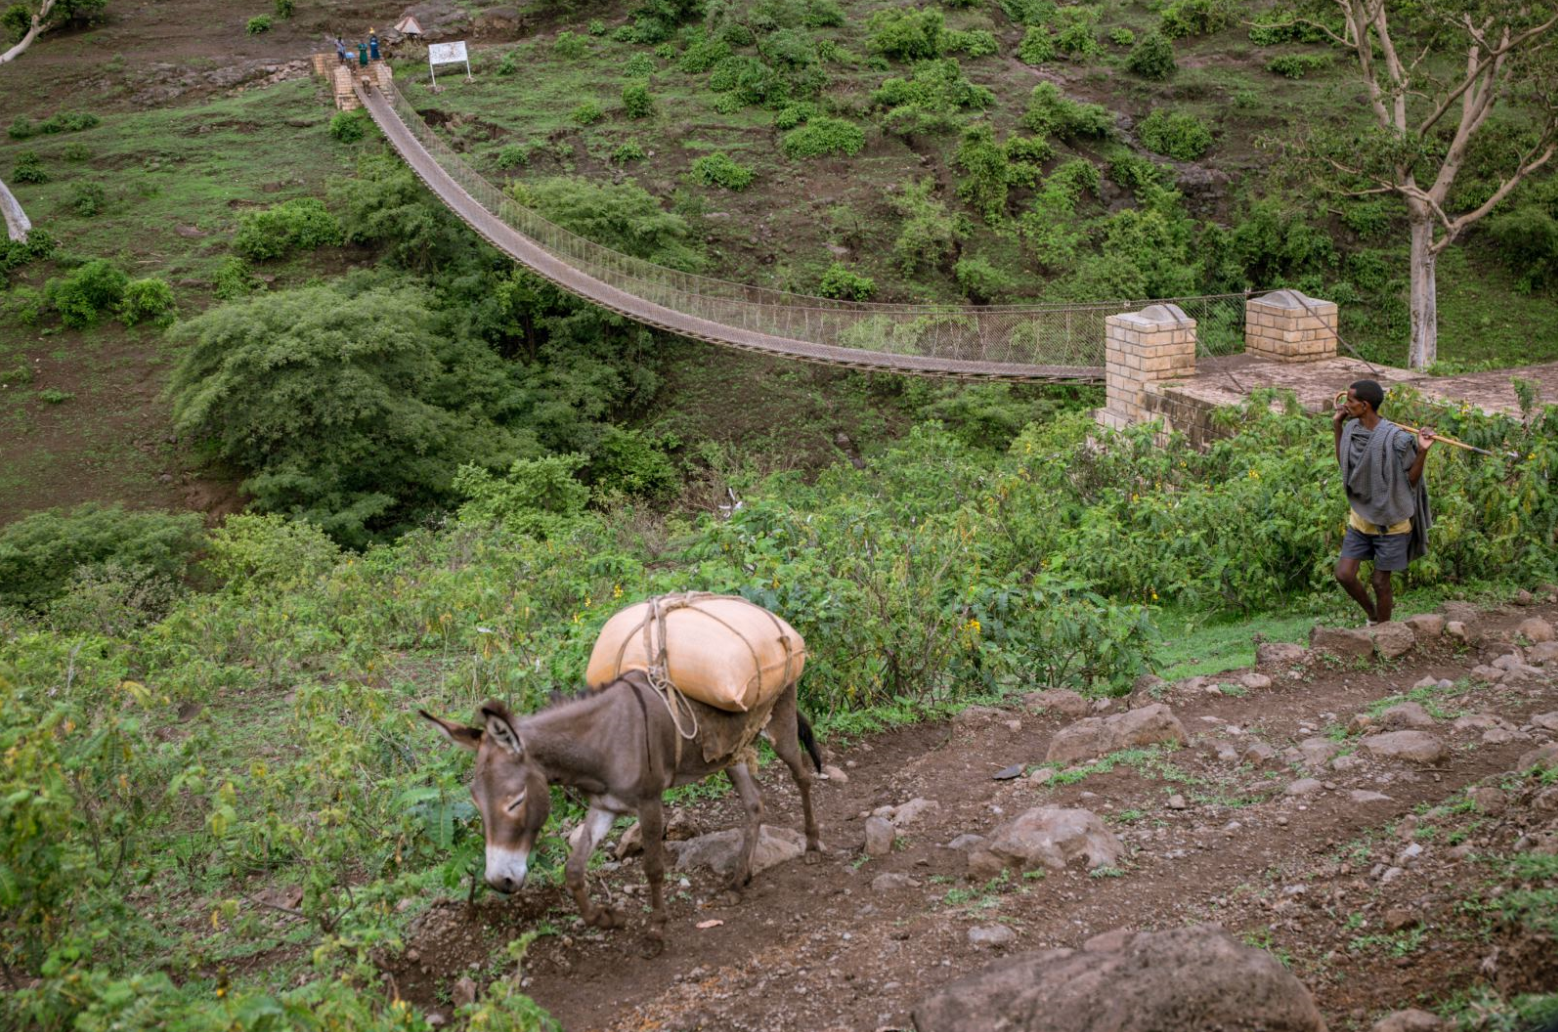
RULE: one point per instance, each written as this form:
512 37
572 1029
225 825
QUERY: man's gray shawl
1374 472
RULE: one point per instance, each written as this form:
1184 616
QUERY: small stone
1405 715
1522 598
832 773
1412 1020
967 842
1486 798
1060 700
1457 630
464 992
1304 786
991 936
1392 640
892 882
1427 626
1549 721
1012 725
1317 752
1535 630
1409 854
1363 795
1351 761
1008 773
880 834
1390 875
435 1019
1255 681
1278 656
1413 746
1176 802
910 811
1259 754
1042 775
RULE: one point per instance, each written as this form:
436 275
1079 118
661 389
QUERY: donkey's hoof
812 857
606 918
654 944
731 897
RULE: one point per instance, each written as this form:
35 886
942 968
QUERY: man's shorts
1389 551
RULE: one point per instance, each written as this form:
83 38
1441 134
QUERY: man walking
1382 472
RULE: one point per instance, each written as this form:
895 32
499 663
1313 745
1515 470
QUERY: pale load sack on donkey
642 729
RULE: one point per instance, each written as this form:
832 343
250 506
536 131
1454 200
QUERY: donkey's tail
809 740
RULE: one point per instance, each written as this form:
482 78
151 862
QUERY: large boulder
1535 630
1184 978
1392 640
1099 736
1053 836
1341 642
1413 746
719 851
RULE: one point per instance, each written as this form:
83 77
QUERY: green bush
596 27
54 396
974 43
26 306
286 8
282 229
792 115
588 112
622 216
258 24
987 175
88 294
906 34
509 63
233 279
1278 25
76 151
1079 40
87 199
1052 114
349 126
823 137
1153 57
1178 135
982 282
1296 66
703 55
14 254
719 169
1135 172
1037 46
23 128
636 101
148 300
936 86
1122 37
1029 12
570 45
1196 17
29 169
633 463
839 281
631 150
15 21
929 233
1524 235
822 14
513 155
639 66
40 553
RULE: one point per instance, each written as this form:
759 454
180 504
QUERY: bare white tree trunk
17 225
1425 306
32 33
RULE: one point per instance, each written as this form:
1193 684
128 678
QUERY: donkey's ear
459 734
500 728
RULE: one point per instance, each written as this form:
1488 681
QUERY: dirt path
820 948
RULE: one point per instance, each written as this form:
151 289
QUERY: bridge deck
579 283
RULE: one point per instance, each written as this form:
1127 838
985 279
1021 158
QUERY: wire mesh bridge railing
1052 342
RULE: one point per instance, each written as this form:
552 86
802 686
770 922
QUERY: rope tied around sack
683 717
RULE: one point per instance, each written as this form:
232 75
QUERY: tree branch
17 224
32 33
1454 229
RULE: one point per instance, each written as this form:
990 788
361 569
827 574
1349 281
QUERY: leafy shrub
1277 26
748 80
905 33
1037 46
87 199
974 43
282 229
539 498
1122 37
703 55
1025 157
40 553
509 63
1274 243
76 151
839 281
570 45
822 14
1524 235
631 150
823 137
1196 17
1052 114
929 233
1245 99
1029 12
634 463
984 186
639 66
233 279
1179 135
636 101
148 300
54 396
1079 40
792 48
349 126
15 21
258 24
87 294
736 34
719 169
357 405
1135 172
792 115
29 169
981 281
588 113
937 86
1296 66
621 216
513 155
286 8
596 27
1153 57
14 254
23 128
26 306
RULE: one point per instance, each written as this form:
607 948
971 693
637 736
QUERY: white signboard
447 53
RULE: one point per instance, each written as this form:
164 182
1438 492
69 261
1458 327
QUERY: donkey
621 747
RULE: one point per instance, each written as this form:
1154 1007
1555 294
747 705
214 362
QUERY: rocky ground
1357 810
